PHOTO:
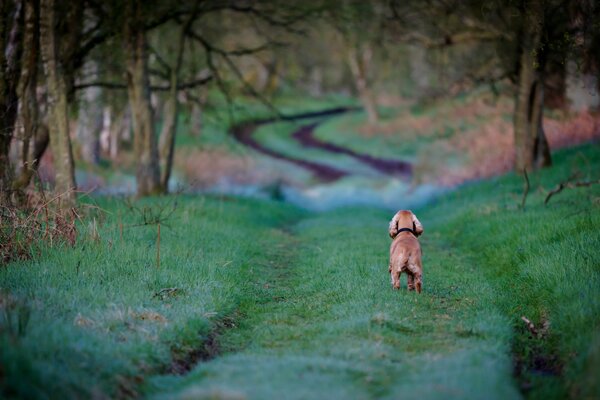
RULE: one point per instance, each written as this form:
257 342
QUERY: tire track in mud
305 135
244 133
270 286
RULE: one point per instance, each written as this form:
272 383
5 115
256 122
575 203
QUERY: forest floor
260 299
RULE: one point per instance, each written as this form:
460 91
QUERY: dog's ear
393 228
418 227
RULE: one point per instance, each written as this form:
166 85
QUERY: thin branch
102 84
569 185
226 56
122 86
160 60
158 73
186 85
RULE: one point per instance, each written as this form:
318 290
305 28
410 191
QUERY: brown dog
405 251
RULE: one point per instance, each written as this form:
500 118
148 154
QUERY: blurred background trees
85 76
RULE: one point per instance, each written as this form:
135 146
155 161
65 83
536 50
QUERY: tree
138 89
11 46
531 146
34 140
528 37
358 24
57 104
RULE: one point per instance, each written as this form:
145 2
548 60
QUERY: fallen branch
569 185
538 333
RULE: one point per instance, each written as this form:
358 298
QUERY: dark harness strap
407 230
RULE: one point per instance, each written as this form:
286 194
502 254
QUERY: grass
544 264
335 328
308 305
94 320
278 137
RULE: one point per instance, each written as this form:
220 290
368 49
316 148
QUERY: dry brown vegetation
207 167
482 142
41 222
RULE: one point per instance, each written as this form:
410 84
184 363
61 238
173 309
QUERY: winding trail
306 136
244 133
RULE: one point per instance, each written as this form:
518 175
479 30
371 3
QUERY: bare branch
121 86
569 185
186 85
102 84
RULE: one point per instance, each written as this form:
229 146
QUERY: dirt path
244 133
306 136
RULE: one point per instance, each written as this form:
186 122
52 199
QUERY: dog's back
404 250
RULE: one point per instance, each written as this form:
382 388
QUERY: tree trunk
57 107
27 88
89 124
359 62
169 130
167 136
11 45
531 146
138 89
541 149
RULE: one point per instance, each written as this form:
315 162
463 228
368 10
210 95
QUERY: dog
405 250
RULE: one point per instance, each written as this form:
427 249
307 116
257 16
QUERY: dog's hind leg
418 282
415 271
410 282
395 275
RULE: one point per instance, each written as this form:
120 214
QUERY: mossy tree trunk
11 46
169 130
531 147
57 105
138 89
33 141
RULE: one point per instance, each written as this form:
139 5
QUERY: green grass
334 328
401 140
216 118
308 305
543 262
95 322
278 136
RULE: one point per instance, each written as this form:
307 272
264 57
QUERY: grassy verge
93 319
543 263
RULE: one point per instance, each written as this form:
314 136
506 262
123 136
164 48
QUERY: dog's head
405 219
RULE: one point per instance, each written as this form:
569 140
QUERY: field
259 299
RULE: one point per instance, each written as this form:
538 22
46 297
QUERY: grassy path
306 301
325 324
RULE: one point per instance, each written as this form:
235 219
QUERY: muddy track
244 132
306 136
